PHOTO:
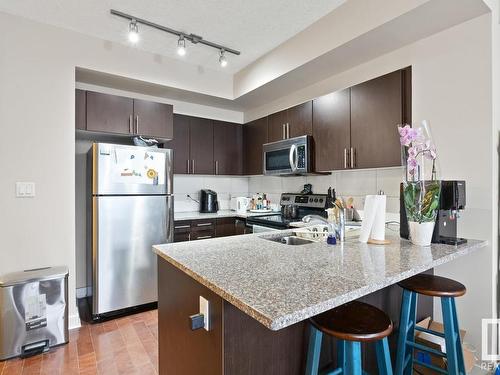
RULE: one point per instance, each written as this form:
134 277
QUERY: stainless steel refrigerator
131 210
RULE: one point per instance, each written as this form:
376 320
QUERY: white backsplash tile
187 184
320 184
225 187
362 182
351 183
392 205
388 181
271 184
293 184
239 184
255 184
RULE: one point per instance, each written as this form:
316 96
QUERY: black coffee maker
208 201
452 201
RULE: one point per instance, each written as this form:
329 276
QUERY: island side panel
250 348
182 351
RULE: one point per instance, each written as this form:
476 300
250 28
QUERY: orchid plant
421 195
418 145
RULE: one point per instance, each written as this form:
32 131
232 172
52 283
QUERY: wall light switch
25 189
205 311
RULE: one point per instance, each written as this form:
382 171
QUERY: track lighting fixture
222 58
181 46
133 36
133 31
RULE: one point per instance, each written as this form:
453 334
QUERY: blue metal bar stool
352 323
447 290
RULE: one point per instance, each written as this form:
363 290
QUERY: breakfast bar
261 293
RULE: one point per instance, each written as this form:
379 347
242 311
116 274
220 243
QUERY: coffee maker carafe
451 202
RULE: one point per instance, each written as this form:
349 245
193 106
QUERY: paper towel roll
373 226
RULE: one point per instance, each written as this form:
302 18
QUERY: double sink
292 239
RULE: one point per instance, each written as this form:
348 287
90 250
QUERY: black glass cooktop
273 221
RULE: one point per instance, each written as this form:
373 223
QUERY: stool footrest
426 348
335 372
432 367
429 331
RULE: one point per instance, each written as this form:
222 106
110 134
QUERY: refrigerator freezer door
124 265
119 169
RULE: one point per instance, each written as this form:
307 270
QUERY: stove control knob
320 200
316 200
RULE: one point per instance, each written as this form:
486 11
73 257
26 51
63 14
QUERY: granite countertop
195 215
279 285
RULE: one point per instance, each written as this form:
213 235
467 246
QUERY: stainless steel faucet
337 228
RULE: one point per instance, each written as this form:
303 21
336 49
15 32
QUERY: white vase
421 233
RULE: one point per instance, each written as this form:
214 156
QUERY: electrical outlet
25 189
205 311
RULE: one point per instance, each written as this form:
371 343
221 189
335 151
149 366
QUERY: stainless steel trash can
33 311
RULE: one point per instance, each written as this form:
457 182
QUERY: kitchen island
262 292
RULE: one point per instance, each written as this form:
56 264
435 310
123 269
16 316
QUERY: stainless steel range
293 208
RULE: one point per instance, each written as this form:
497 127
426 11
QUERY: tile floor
126 345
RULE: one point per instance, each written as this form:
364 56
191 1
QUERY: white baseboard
74 321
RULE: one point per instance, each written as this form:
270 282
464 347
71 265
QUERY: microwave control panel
301 157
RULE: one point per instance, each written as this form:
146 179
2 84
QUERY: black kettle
208 201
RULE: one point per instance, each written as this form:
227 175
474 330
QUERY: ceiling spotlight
181 46
222 58
133 32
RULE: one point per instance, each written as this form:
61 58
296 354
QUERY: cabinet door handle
203 224
182 227
283 132
137 124
287 130
192 170
203 237
189 236
187 166
216 167
345 158
353 157
130 124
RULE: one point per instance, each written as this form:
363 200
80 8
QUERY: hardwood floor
126 345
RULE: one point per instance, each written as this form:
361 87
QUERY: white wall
37 83
452 83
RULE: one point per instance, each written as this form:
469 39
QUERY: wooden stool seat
354 321
435 286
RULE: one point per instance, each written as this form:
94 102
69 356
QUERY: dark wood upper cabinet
292 122
180 144
153 119
277 126
109 113
376 109
254 136
228 143
201 148
80 110
106 113
331 130
299 120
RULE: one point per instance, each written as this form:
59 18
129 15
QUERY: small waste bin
33 311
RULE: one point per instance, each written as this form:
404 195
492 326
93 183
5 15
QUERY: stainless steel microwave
288 157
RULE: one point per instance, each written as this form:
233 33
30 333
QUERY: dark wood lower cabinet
237 344
225 227
191 230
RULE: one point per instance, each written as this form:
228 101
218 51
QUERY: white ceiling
252 26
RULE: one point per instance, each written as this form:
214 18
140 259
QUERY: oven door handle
293 158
